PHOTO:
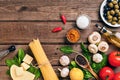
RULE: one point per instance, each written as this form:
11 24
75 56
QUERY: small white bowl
102 12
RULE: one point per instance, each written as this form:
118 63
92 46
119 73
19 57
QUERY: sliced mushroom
103 46
93 48
94 38
97 58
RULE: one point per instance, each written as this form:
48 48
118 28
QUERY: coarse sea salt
83 21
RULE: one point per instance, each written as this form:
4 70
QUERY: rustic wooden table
23 20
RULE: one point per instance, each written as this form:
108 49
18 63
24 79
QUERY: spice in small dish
73 35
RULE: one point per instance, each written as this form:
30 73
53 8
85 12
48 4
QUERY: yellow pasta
42 60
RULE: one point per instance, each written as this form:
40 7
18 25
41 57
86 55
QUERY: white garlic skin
93 48
64 60
64 72
97 58
103 46
94 37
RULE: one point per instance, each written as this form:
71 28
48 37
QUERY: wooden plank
24 32
39 10
52 51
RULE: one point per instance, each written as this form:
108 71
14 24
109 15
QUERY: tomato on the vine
106 73
114 58
117 76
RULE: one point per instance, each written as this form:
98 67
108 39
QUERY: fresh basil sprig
17 60
66 49
35 71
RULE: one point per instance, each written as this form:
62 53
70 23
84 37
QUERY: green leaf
85 52
35 71
66 49
73 63
97 66
8 72
21 55
10 62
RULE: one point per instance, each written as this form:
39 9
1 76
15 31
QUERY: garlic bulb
97 58
93 48
64 60
64 72
94 38
103 46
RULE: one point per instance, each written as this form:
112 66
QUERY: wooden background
23 20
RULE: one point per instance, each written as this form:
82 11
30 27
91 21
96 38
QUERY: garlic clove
103 46
94 38
64 60
93 48
64 72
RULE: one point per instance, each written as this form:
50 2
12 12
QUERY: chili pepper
57 29
63 18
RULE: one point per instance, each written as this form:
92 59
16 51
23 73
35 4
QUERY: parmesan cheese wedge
19 71
24 76
25 66
27 59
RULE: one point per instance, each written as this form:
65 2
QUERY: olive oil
112 36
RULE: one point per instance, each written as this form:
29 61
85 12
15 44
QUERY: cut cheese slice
25 75
25 66
19 71
27 59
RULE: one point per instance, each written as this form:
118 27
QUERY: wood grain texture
43 10
24 32
23 20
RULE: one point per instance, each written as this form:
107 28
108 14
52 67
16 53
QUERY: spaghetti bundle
42 60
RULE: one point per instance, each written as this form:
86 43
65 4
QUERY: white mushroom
103 46
94 38
64 72
97 58
93 48
64 60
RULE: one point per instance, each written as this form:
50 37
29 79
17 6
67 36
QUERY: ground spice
73 35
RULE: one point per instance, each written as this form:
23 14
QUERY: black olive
105 15
105 11
109 0
105 7
116 15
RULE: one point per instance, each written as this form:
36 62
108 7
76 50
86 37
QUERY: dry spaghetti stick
44 64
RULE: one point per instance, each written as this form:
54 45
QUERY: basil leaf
21 55
10 62
8 72
97 66
66 49
35 71
85 52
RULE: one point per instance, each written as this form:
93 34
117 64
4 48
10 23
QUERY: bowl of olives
110 12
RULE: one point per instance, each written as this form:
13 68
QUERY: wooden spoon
83 62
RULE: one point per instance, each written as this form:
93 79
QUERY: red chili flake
57 29
63 18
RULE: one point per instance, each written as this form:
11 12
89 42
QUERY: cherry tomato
117 76
114 58
106 73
